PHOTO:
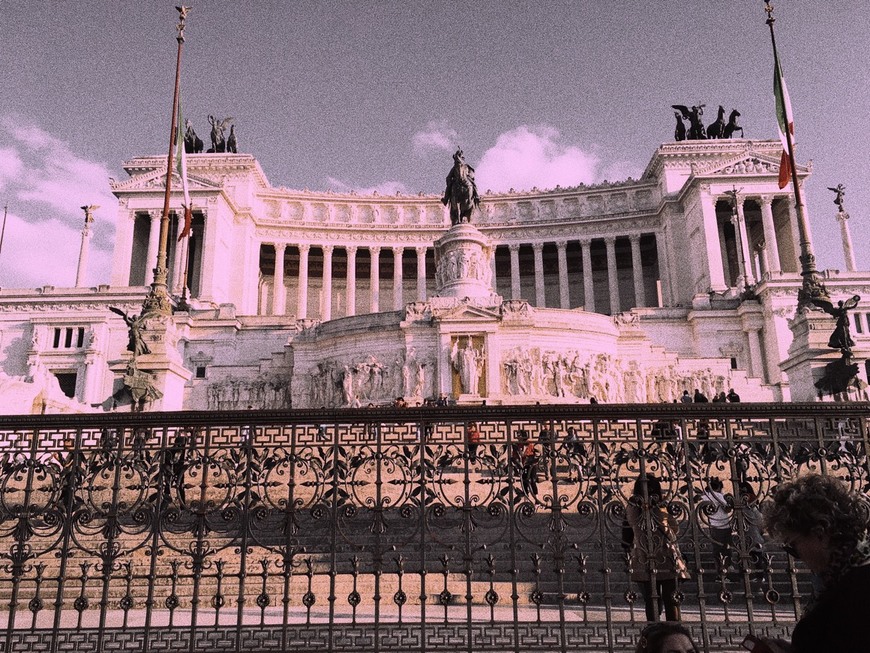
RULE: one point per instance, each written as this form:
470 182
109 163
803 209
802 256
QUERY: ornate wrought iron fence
397 530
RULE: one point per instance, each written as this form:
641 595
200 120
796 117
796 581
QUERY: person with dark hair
655 556
665 637
716 509
824 525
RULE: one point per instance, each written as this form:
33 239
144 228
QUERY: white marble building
627 292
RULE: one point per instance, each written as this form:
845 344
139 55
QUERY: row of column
768 250
588 281
181 253
279 290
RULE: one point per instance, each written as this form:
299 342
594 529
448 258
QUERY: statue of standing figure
841 338
135 326
693 115
218 127
468 361
840 192
461 191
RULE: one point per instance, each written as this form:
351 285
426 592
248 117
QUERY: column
153 241
715 269
421 273
351 280
279 291
540 294
612 278
375 280
516 290
763 265
666 291
588 281
123 254
743 242
302 292
756 357
83 256
326 309
773 264
637 271
564 298
846 237
398 299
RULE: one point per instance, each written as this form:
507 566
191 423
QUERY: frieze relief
535 372
267 391
337 383
457 265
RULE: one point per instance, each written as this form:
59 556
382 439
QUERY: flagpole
3 229
158 302
811 287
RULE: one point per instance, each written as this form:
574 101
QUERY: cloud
384 188
535 156
437 136
47 183
46 253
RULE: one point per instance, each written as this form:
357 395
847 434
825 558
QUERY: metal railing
400 530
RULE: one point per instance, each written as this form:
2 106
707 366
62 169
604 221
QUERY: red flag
188 218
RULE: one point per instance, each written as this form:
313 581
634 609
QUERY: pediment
745 164
467 313
156 180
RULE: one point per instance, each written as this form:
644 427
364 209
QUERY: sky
344 94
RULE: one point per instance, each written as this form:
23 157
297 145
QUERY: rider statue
461 192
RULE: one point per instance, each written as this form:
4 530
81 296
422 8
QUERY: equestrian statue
461 192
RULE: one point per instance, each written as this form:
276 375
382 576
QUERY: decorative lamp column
564 299
279 291
773 263
516 290
326 309
351 280
86 240
612 278
375 280
588 281
398 295
302 295
540 293
637 271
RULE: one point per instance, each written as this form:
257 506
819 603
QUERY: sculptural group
219 141
696 131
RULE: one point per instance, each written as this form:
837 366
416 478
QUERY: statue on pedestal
840 191
135 326
468 361
461 191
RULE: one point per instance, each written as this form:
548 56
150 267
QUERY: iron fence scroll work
428 529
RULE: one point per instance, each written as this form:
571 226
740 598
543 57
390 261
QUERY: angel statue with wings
218 127
693 115
840 338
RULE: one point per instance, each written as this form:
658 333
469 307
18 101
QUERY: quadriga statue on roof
461 192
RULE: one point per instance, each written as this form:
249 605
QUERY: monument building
625 292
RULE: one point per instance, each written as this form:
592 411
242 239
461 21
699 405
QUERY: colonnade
617 300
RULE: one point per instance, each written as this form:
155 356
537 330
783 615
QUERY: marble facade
626 292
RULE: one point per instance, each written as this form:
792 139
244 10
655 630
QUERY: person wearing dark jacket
824 525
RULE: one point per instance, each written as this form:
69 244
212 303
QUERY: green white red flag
181 165
785 121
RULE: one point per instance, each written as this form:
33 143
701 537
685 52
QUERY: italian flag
785 121
181 166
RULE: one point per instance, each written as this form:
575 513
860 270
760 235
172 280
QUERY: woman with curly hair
821 523
665 637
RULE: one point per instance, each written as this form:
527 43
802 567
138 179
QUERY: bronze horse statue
461 192
732 127
192 143
717 128
680 130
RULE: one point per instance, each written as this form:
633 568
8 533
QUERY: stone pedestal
463 265
164 364
809 354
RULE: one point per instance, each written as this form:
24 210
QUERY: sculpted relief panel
539 373
262 393
369 379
